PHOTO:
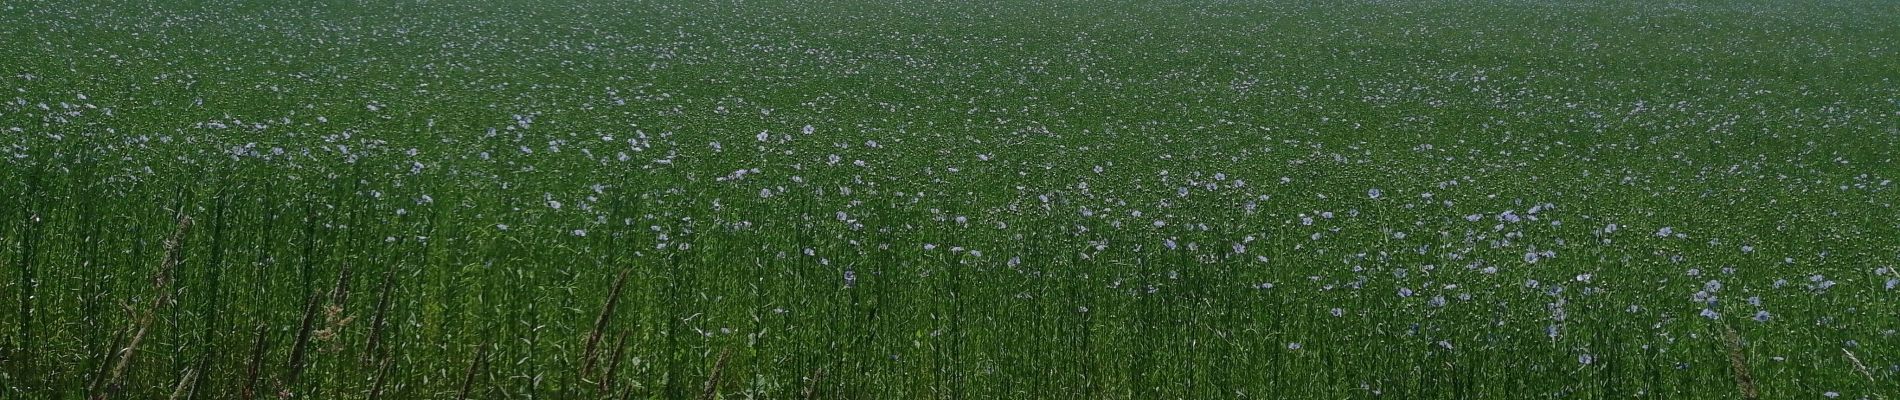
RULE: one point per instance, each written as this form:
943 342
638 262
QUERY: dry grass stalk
811 388
184 385
1744 380
299 350
1858 366
468 378
613 363
256 365
382 378
161 284
589 355
712 382
374 347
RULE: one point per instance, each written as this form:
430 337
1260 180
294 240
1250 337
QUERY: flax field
924 199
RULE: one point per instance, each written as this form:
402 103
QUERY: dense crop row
916 199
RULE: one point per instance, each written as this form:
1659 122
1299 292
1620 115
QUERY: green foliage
956 199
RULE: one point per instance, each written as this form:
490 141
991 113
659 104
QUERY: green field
913 199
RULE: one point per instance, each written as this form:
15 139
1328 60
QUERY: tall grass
957 200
